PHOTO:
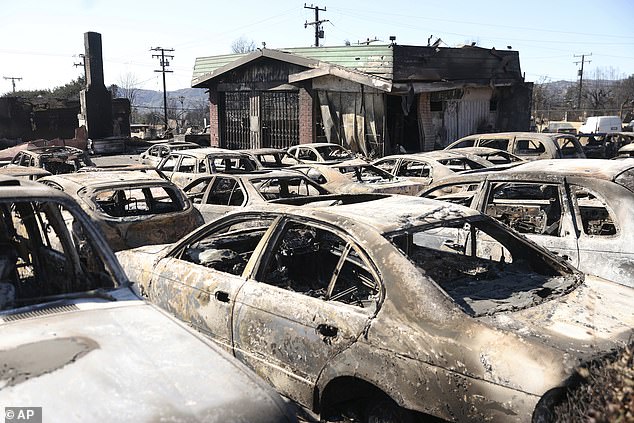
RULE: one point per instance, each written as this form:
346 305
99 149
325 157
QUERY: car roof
264 150
24 171
254 174
593 168
479 150
440 155
207 151
54 149
106 178
13 188
387 213
319 144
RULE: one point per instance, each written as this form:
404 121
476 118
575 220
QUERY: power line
164 63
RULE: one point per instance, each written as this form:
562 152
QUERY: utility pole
164 63
13 79
580 72
82 57
319 33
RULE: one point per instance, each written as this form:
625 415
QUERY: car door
603 246
200 279
539 210
223 195
416 170
311 296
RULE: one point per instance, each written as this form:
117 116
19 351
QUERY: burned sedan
581 209
55 159
77 344
389 308
132 208
215 195
358 177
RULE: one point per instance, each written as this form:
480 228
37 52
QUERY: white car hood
126 360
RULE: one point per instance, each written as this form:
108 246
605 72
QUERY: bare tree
128 87
242 45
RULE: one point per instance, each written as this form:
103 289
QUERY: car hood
93 359
586 323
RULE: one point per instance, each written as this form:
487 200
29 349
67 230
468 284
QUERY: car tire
385 410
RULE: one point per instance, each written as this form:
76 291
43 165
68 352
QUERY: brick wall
306 117
214 122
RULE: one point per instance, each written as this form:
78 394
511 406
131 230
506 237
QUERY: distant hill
154 99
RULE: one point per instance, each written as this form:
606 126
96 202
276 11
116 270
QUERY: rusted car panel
183 166
78 342
132 208
379 302
526 145
216 195
353 177
579 209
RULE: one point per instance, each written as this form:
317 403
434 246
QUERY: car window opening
38 257
483 273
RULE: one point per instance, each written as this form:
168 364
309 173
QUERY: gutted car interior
39 260
527 208
303 258
138 201
482 268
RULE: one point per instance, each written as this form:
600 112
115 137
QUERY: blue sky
42 40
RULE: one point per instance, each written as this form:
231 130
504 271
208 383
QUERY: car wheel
385 410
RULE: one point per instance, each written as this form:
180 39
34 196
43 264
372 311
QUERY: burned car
358 177
132 208
321 152
604 146
271 158
389 308
54 159
625 152
215 195
153 155
183 166
77 341
431 166
526 145
580 209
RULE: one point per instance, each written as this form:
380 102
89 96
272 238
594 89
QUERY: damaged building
373 99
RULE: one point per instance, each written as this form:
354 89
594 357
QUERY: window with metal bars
280 119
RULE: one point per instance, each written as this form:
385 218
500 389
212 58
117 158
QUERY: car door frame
565 245
308 316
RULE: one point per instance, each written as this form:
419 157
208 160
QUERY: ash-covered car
580 209
153 155
321 152
430 166
389 309
54 159
215 195
183 166
526 145
132 208
271 158
358 177
76 341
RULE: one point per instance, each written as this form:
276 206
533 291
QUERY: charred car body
399 306
153 155
132 208
78 342
357 177
526 145
271 158
215 195
54 159
431 166
580 209
183 166
321 152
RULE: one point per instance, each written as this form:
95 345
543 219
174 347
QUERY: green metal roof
375 60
